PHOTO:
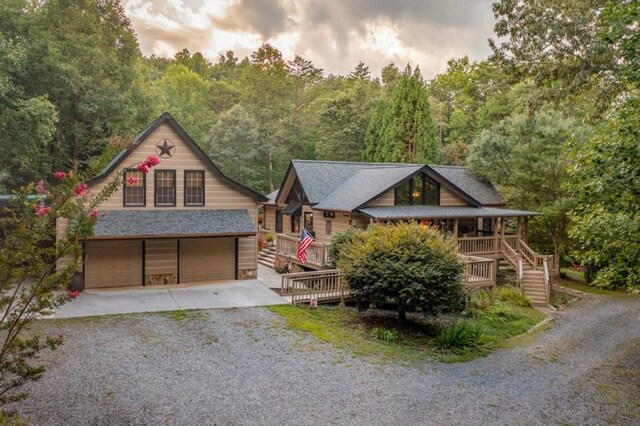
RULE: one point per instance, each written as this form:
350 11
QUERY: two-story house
183 222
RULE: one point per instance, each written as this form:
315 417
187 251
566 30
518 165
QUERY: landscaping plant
460 335
31 273
413 266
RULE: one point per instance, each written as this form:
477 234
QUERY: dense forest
552 118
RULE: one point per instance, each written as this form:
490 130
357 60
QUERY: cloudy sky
334 34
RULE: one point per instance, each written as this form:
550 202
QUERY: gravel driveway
243 366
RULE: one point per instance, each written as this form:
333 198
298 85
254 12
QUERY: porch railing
317 253
478 271
322 285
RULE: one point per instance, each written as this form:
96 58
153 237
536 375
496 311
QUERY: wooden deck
329 285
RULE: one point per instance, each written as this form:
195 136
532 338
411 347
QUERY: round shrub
412 266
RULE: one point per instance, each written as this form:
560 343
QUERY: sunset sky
334 34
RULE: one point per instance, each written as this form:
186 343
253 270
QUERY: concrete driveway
231 294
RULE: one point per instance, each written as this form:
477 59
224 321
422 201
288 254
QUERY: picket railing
322 285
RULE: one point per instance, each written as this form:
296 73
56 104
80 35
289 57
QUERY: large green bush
412 266
337 242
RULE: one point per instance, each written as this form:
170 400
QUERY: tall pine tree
401 129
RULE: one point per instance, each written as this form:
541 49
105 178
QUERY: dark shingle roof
479 190
366 184
337 185
438 212
164 223
320 178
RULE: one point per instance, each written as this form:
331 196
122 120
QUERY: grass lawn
574 274
358 333
590 289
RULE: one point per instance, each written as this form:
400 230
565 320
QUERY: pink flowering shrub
132 180
29 275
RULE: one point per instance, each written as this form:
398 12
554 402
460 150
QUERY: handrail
316 253
531 256
545 269
321 285
478 271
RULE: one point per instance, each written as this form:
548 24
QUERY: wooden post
519 233
455 227
495 234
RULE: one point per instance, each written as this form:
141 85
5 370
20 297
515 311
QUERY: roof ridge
355 162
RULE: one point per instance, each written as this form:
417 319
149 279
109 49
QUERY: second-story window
194 188
165 187
134 188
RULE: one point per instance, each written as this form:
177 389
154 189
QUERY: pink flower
152 160
132 180
142 167
40 189
73 294
93 214
60 175
80 190
42 210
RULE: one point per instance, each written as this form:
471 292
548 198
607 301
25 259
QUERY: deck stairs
531 278
267 257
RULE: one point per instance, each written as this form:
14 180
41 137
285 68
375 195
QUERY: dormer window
165 188
420 190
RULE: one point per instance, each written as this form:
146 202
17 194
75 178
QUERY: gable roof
366 184
166 118
480 190
346 186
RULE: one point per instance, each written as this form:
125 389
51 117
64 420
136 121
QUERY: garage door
113 264
207 259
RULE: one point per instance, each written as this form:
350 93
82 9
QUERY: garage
113 263
207 259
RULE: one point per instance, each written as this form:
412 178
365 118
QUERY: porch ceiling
439 212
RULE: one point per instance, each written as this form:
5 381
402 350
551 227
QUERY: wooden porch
329 285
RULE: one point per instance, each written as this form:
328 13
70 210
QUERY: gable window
165 188
134 188
194 188
308 221
420 190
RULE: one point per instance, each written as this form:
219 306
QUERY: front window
308 221
194 188
134 188
165 187
417 191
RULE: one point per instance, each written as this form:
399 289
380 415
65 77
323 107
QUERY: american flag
305 241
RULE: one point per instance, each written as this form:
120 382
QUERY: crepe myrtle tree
31 286
410 265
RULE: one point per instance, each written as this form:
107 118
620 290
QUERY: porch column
455 227
519 232
496 224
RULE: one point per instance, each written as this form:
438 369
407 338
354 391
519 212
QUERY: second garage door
207 259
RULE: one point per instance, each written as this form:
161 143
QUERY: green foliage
183 93
462 334
402 130
411 266
606 223
30 272
234 145
338 240
525 156
513 295
386 335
